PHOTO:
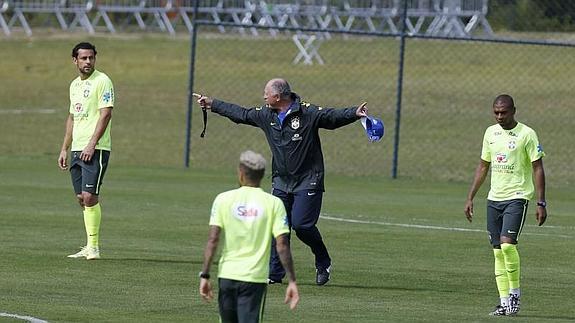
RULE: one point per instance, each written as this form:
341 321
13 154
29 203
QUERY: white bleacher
148 14
448 18
366 15
68 13
4 8
314 13
240 12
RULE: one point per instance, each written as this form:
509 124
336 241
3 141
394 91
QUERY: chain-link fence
429 68
434 96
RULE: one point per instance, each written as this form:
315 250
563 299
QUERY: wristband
204 275
542 204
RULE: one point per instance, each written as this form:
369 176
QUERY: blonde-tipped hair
253 160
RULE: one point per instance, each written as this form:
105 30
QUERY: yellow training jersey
248 218
511 153
87 97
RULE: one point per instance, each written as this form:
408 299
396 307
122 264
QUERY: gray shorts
88 176
241 301
505 218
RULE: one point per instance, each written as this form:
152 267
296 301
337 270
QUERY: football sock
92 217
501 275
512 264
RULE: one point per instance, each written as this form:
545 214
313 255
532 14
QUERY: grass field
403 260
402 249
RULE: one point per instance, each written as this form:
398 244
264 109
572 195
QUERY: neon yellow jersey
87 97
511 153
248 218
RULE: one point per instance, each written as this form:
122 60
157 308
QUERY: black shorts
87 176
241 301
505 218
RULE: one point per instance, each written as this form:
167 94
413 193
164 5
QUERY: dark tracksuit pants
303 210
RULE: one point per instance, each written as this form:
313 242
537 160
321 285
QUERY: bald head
279 86
504 111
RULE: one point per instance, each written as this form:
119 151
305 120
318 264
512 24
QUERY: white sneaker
92 253
79 254
514 303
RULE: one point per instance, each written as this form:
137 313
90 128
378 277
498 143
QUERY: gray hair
281 87
252 160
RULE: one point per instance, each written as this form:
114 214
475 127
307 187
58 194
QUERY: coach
291 127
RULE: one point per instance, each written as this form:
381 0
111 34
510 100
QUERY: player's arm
103 121
480 174
211 247
539 176
62 159
283 249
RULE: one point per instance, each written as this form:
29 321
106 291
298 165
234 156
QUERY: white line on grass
23 110
20 317
431 227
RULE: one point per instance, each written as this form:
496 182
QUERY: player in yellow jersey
88 136
515 156
245 220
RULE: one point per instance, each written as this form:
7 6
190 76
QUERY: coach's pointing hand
204 101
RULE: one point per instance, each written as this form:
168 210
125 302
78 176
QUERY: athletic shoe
322 275
514 303
274 281
80 254
92 253
499 311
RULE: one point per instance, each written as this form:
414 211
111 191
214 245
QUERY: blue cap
374 128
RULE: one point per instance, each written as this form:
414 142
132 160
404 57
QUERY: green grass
154 230
390 264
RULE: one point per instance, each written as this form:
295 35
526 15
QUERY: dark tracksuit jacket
295 144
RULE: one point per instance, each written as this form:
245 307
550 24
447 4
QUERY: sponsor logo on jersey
512 145
248 212
501 158
86 93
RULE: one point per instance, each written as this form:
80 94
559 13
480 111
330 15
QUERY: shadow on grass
150 260
375 287
548 317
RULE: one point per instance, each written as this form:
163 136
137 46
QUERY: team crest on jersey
295 123
78 107
512 145
86 93
501 158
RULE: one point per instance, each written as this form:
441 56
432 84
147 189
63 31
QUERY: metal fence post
191 87
399 90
